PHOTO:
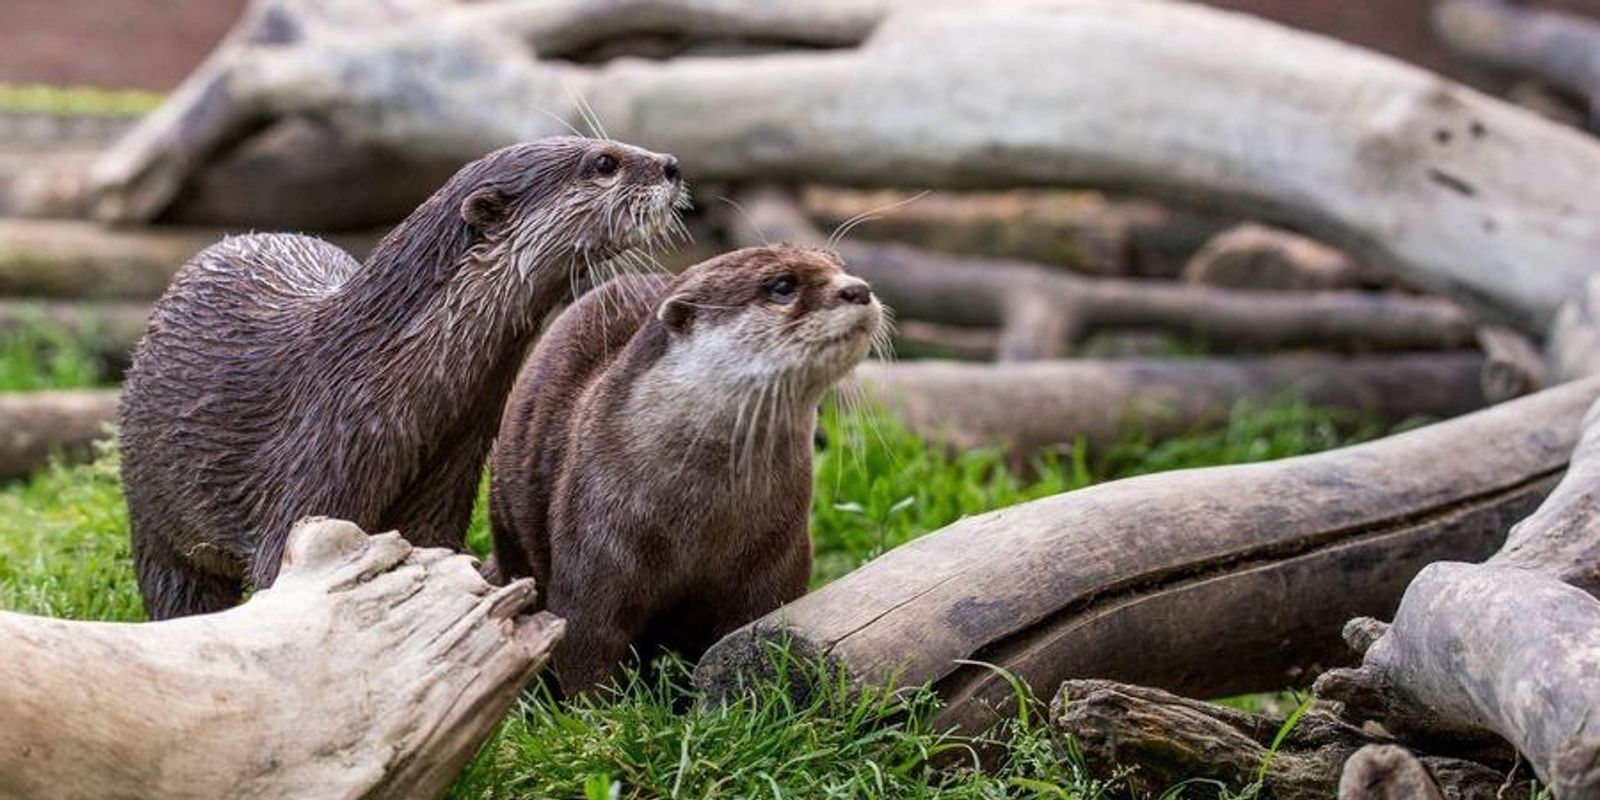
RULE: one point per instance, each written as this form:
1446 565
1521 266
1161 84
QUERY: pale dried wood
1512 364
1557 47
369 670
37 426
1456 191
1237 576
1509 648
1041 311
1028 407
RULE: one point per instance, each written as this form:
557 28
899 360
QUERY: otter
653 469
279 378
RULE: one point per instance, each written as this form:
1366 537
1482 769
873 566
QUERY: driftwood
1507 648
1166 739
108 329
36 426
1454 190
1041 311
1085 231
369 670
1029 407
1254 256
82 260
1554 46
1573 348
1512 364
1236 576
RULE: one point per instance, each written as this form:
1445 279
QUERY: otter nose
670 171
858 293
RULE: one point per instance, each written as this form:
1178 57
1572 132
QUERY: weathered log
1026 408
370 669
108 329
1041 311
37 426
1454 190
1573 346
1512 365
1085 231
1560 48
82 260
1254 256
1390 772
1237 576
1165 739
1507 648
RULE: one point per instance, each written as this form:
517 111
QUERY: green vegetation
75 101
63 552
42 357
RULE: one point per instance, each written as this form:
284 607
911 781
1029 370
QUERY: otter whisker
585 110
748 220
869 215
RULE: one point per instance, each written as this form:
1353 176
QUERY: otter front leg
593 653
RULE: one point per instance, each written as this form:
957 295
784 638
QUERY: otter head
780 314
570 202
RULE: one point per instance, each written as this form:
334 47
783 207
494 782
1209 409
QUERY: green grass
63 552
42 357
75 100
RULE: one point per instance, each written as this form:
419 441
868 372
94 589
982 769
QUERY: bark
369 670
82 260
1509 648
1167 739
1253 256
1238 576
1557 47
1085 231
1041 312
1457 191
1027 408
36 426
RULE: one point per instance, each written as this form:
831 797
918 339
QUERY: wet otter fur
279 378
653 471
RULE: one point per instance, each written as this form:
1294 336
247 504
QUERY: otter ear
486 207
676 312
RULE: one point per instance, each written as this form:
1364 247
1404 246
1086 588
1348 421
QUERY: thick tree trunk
1168 739
369 670
1237 576
1456 191
36 426
1027 408
1041 312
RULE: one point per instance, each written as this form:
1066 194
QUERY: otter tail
173 587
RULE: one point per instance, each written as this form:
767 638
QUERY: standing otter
653 471
279 378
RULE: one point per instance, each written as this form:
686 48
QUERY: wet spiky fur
279 378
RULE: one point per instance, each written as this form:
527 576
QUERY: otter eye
781 290
605 164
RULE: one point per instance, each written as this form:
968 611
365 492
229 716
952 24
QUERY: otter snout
670 171
858 292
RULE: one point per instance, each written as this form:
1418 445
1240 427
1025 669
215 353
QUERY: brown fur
279 378
653 472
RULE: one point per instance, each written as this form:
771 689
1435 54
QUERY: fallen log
1163 739
1085 231
107 329
1390 772
1553 46
1456 191
38 426
1041 312
1512 364
1236 576
370 669
1027 408
82 260
1573 347
1254 256
1507 648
